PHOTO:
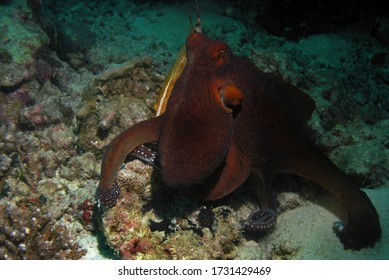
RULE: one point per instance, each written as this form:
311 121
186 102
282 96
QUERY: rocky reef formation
65 94
40 168
21 40
151 222
116 99
29 231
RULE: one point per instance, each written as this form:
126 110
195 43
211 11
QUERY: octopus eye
218 52
222 56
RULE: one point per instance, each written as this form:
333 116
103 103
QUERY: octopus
226 122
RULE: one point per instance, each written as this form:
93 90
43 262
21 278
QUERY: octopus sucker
260 221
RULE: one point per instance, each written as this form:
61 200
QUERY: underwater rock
361 150
32 234
35 115
282 251
20 40
5 163
84 166
249 250
54 106
44 71
61 137
40 153
13 102
122 95
46 175
289 200
74 39
37 220
135 230
275 63
125 226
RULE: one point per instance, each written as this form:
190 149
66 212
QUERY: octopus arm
362 229
144 132
235 172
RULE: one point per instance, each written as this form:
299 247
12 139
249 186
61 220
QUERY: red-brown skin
225 115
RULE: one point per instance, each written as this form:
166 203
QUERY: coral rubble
74 74
27 231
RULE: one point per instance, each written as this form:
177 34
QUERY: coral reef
311 65
27 231
282 251
135 231
361 150
38 202
5 163
73 75
73 42
124 225
116 99
20 40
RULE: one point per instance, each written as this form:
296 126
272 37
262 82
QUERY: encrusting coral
115 99
29 232
56 117
136 231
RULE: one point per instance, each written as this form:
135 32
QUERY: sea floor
306 233
73 74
